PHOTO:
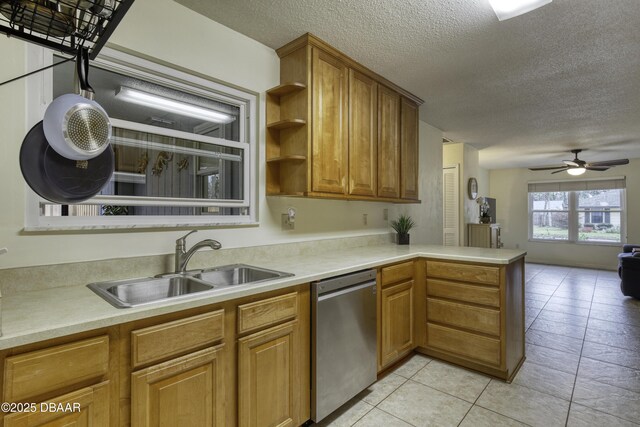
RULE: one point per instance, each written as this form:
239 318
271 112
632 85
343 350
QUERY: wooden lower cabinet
90 408
187 391
267 377
396 323
475 315
397 309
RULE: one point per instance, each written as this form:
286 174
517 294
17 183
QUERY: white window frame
569 220
574 212
40 94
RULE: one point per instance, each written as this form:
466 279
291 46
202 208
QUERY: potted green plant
402 225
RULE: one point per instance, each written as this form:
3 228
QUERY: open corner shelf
291 158
287 123
286 88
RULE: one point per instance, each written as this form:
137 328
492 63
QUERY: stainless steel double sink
136 292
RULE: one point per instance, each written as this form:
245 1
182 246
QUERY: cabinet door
388 143
267 377
330 137
409 150
363 134
187 391
396 303
86 407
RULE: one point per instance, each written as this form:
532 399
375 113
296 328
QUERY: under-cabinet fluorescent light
507 9
576 171
171 105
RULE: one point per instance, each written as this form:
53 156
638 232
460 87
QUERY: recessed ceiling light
171 105
506 9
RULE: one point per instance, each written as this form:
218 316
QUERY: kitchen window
585 211
185 147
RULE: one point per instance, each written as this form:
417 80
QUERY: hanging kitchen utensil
40 16
103 8
78 4
76 126
58 179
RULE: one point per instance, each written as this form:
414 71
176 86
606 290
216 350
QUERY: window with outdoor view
589 211
184 148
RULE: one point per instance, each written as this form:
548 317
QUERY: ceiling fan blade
571 163
547 168
610 163
562 170
596 168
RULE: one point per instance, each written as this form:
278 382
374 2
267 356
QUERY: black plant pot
403 239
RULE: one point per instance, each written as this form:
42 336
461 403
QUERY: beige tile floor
582 367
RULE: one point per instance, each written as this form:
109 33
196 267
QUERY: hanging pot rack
63 25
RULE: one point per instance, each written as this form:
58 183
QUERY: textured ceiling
523 91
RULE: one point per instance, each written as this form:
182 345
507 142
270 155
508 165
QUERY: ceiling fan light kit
578 167
507 9
576 171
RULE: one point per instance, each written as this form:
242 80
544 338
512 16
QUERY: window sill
133 227
569 242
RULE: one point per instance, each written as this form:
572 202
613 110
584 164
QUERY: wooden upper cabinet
335 129
363 134
330 137
388 143
408 149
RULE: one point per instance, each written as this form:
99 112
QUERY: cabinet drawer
464 272
483 349
485 320
33 374
176 338
397 273
260 314
462 292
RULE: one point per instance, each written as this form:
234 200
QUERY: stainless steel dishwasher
343 340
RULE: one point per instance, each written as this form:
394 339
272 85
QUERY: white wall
467 157
428 214
509 187
163 31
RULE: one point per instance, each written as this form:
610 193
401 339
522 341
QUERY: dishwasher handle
330 295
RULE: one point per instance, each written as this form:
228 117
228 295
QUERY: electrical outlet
385 214
286 224
364 219
517 245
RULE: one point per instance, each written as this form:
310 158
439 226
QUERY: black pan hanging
58 179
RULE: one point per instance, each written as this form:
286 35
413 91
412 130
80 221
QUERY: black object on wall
492 209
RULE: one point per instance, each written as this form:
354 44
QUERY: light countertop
44 314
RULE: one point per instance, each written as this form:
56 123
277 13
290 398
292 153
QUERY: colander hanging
76 126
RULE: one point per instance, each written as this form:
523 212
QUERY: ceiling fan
578 167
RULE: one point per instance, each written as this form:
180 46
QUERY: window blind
615 183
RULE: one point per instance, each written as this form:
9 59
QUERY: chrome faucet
183 256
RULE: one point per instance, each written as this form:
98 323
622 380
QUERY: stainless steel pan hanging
76 126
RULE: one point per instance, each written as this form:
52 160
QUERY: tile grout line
573 389
588 407
394 416
395 389
474 402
